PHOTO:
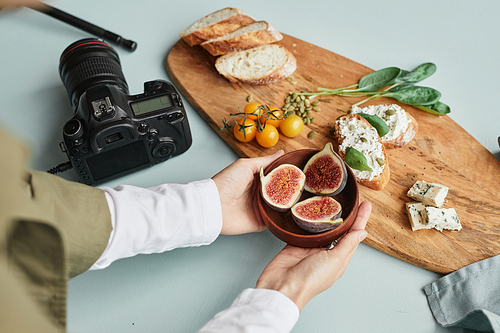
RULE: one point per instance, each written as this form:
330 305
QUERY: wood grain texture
441 152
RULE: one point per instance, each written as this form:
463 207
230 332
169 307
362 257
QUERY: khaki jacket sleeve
50 230
80 212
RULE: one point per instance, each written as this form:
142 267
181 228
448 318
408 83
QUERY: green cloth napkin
469 297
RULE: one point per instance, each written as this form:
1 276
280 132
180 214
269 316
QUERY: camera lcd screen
151 105
118 160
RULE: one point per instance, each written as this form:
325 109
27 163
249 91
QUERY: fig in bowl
281 188
282 223
317 214
325 172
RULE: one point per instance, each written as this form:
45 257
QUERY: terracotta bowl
283 226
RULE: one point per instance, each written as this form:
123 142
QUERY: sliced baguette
243 38
264 64
215 25
403 127
349 131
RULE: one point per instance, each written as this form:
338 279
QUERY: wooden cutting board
441 152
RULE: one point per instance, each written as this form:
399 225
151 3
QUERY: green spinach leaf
414 95
378 80
418 74
439 108
356 160
377 122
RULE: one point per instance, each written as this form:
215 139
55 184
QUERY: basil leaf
356 160
418 74
378 80
414 95
439 108
377 122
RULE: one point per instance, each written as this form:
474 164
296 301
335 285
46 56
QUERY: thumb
349 243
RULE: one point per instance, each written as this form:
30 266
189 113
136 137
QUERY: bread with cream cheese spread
354 131
403 127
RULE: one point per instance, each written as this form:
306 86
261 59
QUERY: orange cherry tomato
272 117
268 137
254 110
244 130
292 126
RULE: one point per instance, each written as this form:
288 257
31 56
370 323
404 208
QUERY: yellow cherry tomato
254 110
244 130
272 117
268 137
292 126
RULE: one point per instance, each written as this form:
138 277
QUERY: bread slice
354 131
215 25
403 127
264 64
243 38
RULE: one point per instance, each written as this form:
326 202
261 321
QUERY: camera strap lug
61 146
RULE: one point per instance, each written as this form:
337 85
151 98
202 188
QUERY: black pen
84 25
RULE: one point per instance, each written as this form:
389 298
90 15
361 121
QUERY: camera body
113 133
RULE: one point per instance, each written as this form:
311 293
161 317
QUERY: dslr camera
113 133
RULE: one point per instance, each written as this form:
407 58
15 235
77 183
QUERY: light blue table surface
179 291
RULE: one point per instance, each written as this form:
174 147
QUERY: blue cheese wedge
442 218
415 211
430 194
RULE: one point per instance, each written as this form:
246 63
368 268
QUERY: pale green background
180 290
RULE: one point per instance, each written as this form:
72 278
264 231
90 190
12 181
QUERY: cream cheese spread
394 116
364 139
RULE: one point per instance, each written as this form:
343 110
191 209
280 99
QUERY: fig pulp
317 214
281 188
325 172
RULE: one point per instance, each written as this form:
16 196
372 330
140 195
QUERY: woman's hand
238 186
20 3
300 273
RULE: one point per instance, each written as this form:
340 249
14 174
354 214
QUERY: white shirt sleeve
160 218
256 311
169 216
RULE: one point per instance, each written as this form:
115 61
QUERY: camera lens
87 63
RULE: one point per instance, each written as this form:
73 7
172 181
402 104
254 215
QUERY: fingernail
362 236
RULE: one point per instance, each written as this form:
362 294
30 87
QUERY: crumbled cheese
442 218
397 122
431 194
365 139
415 211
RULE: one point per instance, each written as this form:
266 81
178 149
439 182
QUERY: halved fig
281 188
325 172
317 214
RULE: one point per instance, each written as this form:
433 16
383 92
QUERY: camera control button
164 149
157 85
175 117
153 134
143 128
177 99
73 129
